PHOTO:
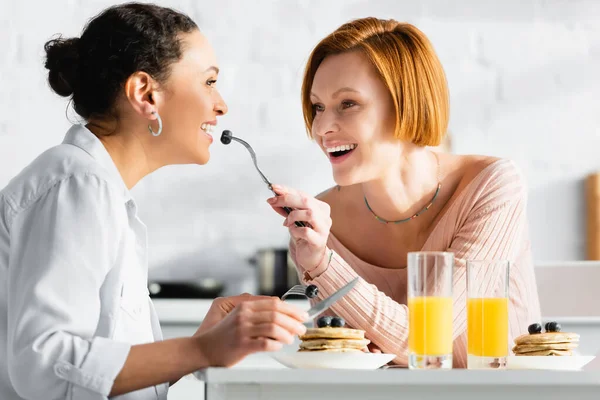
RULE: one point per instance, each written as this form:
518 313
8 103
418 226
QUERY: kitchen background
524 83
524 79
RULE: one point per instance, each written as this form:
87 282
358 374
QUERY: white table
288 384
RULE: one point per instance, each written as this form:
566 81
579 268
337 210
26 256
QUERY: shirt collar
79 136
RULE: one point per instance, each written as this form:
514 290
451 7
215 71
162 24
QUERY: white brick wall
524 84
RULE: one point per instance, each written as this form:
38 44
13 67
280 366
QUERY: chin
203 159
200 154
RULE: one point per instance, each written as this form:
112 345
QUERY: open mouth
340 151
207 128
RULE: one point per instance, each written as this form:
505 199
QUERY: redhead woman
375 100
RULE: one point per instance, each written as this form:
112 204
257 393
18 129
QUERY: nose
324 124
220 105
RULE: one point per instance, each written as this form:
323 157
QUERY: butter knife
329 301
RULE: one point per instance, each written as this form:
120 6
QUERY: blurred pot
276 271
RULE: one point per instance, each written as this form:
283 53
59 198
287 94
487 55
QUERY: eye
318 108
211 82
348 104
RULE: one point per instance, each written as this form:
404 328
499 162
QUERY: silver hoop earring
159 125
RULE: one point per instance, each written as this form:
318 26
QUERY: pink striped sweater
486 221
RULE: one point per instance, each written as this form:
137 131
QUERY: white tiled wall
523 75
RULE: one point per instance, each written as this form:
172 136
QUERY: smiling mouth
340 151
207 128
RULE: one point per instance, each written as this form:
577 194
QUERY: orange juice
487 327
430 325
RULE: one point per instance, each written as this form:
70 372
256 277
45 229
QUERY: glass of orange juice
487 314
430 310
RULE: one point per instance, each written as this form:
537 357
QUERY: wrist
321 266
200 351
322 259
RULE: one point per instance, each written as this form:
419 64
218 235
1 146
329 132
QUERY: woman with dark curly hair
76 321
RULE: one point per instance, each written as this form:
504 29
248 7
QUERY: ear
142 92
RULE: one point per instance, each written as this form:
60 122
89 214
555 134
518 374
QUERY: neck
405 187
129 147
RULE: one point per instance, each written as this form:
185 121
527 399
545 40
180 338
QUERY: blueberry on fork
311 291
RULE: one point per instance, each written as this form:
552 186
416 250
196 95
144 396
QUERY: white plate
563 363
324 360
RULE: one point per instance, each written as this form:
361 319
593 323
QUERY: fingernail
304 316
271 200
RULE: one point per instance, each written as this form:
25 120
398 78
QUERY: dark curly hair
116 43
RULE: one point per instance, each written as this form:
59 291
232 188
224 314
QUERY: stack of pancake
546 344
329 339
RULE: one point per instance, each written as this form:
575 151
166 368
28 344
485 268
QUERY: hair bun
62 62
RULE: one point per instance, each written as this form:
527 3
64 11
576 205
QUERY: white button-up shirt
73 277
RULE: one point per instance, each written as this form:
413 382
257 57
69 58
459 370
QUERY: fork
309 291
296 290
227 137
